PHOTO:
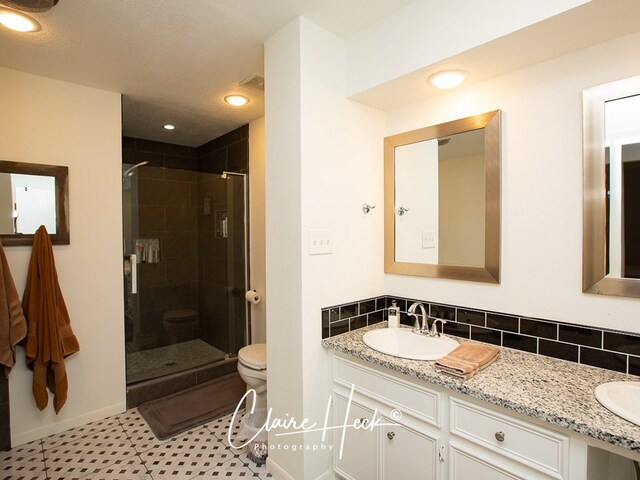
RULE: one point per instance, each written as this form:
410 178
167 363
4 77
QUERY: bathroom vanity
523 417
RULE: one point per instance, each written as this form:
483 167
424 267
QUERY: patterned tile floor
124 448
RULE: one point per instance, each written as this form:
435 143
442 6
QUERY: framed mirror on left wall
32 195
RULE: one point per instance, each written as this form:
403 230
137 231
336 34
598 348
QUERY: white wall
541 257
426 32
58 123
283 224
257 261
320 148
416 180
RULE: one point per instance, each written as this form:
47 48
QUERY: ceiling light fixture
18 22
236 100
168 126
448 78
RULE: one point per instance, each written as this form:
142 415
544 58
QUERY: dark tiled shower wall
229 152
613 350
221 281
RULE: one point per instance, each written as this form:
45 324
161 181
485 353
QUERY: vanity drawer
408 397
531 445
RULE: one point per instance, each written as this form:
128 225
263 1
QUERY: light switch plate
320 242
428 240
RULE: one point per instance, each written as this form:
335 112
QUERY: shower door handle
133 259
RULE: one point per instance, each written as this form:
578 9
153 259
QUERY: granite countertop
552 390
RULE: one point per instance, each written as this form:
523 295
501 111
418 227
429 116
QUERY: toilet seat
180 315
254 356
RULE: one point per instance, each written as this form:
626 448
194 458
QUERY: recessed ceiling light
448 78
236 100
168 126
18 21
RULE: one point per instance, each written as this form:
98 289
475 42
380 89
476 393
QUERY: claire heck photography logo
289 426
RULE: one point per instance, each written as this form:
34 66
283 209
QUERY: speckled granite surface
555 391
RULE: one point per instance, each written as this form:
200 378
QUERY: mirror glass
442 200
26 202
622 180
611 189
439 199
32 195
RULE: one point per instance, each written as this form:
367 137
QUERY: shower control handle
133 259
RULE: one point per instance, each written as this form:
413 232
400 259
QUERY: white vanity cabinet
517 449
407 451
360 459
432 433
404 445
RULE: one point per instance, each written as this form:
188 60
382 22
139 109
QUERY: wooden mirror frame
61 175
594 230
490 273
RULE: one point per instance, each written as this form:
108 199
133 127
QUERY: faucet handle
434 326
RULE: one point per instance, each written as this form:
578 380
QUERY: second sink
622 398
403 343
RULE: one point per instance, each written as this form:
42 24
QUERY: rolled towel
467 360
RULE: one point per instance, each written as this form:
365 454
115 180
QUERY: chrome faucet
420 326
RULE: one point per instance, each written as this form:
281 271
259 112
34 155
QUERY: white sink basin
622 398
402 342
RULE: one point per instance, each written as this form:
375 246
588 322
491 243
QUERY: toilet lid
254 356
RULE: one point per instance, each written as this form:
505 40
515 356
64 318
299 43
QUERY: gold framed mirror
32 195
442 200
611 176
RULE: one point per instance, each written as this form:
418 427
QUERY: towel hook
366 208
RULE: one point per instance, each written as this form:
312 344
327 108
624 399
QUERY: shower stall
185 264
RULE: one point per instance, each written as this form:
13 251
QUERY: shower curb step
148 390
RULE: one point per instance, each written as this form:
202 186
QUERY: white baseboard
45 431
328 475
280 474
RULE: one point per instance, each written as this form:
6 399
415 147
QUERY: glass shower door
185 270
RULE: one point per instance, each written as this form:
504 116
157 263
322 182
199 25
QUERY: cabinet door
466 466
408 454
359 453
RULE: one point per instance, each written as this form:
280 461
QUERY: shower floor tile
157 362
105 450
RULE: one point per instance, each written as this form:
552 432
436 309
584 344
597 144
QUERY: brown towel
49 337
13 326
467 359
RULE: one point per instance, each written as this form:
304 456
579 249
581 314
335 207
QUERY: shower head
129 171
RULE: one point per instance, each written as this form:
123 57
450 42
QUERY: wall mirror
611 189
442 200
32 195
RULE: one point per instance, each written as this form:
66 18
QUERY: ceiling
174 61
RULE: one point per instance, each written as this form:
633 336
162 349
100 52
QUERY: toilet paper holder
253 297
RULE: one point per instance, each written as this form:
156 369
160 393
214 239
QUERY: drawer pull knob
390 435
500 436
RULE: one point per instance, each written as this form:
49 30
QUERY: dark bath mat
193 407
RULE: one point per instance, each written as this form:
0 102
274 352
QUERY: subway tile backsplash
613 350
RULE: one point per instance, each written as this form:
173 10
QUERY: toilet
180 325
252 367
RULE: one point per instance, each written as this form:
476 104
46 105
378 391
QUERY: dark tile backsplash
502 322
582 336
472 317
612 350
